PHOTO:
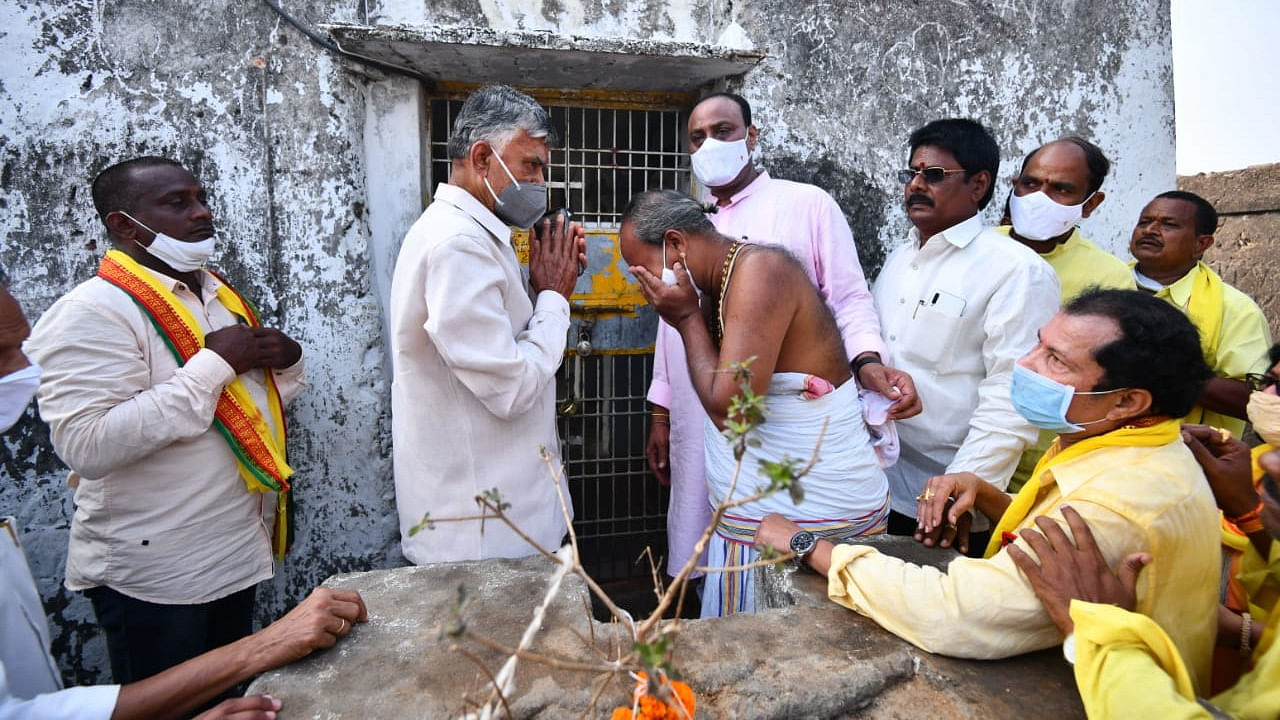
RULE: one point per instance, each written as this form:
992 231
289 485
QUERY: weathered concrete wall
845 83
1248 204
314 181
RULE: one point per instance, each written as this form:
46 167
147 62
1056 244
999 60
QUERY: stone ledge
812 659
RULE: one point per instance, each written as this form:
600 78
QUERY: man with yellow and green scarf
1173 233
1112 374
164 395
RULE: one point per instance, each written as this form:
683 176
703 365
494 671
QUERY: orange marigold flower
649 707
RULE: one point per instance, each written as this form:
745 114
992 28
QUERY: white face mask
1036 216
717 163
1264 413
179 255
16 390
668 275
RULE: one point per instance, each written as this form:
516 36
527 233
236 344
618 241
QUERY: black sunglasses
932 175
1261 381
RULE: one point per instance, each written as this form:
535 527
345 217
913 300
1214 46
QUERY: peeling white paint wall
314 178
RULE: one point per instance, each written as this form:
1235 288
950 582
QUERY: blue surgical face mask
1044 402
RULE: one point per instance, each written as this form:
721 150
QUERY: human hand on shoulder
1227 464
1078 571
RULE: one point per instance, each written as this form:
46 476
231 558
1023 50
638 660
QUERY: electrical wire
332 47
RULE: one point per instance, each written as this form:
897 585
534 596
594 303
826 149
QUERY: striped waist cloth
742 531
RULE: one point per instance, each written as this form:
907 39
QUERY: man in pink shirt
805 220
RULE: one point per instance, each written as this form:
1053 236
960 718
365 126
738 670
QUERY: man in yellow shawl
1111 374
1173 233
164 396
1126 665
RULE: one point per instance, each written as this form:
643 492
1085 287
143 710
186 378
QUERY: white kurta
473 394
956 314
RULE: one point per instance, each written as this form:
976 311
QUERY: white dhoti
845 493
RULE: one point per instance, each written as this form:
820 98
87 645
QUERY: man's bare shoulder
772 259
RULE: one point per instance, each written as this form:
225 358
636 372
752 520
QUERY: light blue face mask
1044 402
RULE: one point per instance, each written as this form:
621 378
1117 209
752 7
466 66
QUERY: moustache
924 199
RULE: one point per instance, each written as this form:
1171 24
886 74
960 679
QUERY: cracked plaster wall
280 132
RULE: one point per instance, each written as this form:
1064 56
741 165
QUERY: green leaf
424 524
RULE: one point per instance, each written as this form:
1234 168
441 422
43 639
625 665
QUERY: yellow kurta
1127 667
1079 264
1135 499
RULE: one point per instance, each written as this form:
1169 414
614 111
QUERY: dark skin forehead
714 110
1184 211
152 184
1060 162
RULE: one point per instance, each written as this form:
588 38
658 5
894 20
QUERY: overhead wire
334 48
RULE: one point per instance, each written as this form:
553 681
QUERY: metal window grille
607 153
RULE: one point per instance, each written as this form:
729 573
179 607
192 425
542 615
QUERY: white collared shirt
473 394
956 314
30 685
162 514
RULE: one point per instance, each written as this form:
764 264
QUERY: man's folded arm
96 394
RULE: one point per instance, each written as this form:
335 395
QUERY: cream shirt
162 514
956 315
473 394
1135 499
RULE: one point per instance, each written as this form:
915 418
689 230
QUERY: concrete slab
812 659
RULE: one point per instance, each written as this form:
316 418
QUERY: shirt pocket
931 336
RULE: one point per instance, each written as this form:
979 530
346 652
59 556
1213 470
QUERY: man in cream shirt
475 346
959 304
167 540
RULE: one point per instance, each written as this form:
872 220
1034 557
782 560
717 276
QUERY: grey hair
653 212
495 114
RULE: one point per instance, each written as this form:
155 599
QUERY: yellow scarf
259 450
1205 306
1161 433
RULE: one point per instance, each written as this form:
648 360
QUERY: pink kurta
806 221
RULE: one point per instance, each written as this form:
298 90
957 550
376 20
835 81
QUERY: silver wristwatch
802 543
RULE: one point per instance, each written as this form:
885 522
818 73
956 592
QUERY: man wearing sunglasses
958 304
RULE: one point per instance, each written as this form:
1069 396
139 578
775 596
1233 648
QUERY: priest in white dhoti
732 302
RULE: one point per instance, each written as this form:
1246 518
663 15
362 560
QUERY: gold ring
926 495
343 626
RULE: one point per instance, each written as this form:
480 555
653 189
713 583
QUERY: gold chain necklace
730 258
